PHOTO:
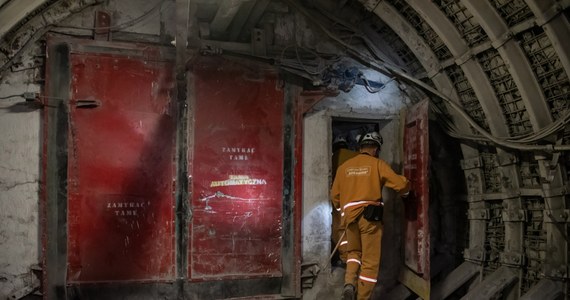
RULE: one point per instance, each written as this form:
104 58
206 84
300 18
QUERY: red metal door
120 203
237 174
416 166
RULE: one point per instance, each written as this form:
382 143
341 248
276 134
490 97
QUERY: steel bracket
471 163
476 255
503 39
102 30
514 215
532 192
258 42
506 159
555 192
549 14
512 258
478 214
511 194
557 216
437 69
465 57
492 196
370 5
556 271
475 197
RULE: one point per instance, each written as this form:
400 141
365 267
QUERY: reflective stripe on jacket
358 183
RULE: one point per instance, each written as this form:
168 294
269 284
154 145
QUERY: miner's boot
348 292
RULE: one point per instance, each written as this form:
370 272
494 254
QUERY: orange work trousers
363 260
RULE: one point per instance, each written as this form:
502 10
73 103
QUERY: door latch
83 103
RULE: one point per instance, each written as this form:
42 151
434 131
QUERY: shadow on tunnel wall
448 205
449 232
149 247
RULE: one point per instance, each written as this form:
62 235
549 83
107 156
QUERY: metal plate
237 174
416 167
120 203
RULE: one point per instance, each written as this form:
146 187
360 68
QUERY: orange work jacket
358 183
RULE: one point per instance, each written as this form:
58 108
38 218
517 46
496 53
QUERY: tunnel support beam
55 173
489 104
183 132
473 71
224 16
539 115
515 58
473 173
549 14
545 289
427 58
495 283
457 278
555 191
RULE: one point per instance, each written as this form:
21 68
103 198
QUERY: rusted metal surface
53 191
416 169
120 203
237 186
102 26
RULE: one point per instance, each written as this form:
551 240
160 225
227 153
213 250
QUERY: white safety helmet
372 138
340 140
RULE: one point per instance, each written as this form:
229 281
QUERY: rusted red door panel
120 203
237 174
416 166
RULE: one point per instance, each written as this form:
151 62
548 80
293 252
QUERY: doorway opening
346 133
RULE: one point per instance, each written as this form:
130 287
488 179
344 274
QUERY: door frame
53 194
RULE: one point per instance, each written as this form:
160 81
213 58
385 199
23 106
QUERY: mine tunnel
183 149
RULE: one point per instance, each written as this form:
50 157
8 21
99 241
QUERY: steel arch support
421 50
15 11
408 34
545 289
427 58
539 114
549 15
492 285
514 57
473 71
441 25
490 105
457 278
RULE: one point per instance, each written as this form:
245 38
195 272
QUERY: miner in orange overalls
357 192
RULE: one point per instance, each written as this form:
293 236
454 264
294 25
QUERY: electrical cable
12 96
71 34
118 26
318 72
368 43
369 88
49 27
387 70
27 44
36 35
527 138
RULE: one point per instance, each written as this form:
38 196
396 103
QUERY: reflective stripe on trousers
364 246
